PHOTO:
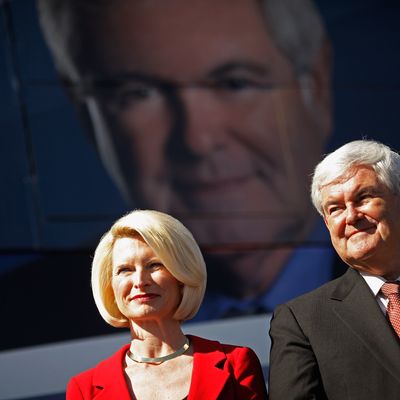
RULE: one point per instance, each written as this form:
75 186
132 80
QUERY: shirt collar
374 282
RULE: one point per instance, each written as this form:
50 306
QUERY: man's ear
315 85
81 109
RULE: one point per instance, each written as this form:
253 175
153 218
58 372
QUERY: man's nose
352 214
202 130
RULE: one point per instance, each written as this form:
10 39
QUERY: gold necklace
160 360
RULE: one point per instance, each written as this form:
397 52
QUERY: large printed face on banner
195 111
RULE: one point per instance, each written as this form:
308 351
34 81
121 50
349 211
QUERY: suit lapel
109 378
208 376
360 312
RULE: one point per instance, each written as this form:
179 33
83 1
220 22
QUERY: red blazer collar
208 376
109 377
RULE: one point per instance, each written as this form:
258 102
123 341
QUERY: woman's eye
155 265
122 270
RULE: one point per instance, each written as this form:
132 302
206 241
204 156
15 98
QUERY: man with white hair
342 341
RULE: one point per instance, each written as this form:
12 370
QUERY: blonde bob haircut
172 243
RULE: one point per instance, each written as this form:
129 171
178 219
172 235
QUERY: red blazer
220 371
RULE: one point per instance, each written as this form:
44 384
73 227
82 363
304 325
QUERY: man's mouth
362 230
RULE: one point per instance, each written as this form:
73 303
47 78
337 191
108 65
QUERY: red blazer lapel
109 379
219 372
208 376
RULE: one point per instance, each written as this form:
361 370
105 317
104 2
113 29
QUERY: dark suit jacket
334 343
220 371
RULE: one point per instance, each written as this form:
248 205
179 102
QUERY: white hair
384 161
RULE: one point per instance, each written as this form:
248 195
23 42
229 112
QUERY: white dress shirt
375 283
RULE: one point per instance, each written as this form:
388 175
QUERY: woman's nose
140 278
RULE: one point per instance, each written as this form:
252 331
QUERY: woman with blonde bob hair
149 275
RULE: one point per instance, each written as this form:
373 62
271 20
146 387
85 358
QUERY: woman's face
143 287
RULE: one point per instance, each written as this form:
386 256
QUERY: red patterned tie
391 291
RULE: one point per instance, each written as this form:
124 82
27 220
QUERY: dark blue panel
71 198
33 56
17 206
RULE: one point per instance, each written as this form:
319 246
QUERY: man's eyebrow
239 66
121 77
228 67
258 69
114 81
330 202
118 78
369 190
357 193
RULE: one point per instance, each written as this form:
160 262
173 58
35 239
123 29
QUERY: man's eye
131 95
365 196
332 210
236 84
135 92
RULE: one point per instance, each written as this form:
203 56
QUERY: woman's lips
143 297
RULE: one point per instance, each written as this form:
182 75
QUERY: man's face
363 218
201 116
